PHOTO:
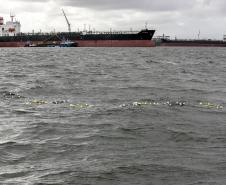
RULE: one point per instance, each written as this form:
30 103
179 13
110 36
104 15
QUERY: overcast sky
180 18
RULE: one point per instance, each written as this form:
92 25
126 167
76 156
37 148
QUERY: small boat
68 43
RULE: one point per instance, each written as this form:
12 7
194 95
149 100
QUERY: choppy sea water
106 116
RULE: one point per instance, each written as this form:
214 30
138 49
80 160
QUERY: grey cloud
175 17
141 5
29 1
147 5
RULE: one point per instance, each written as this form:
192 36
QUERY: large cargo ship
167 42
191 43
11 36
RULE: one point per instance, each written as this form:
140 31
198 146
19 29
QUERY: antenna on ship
68 23
12 15
89 28
146 25
84 27
199 34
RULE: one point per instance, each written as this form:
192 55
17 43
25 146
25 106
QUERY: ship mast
68 23
12 15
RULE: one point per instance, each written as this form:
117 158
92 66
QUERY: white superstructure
11 28
224 38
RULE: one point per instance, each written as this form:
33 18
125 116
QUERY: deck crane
68 23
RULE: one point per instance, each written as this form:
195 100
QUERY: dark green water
106 116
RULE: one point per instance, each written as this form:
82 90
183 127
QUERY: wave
186 136
15 174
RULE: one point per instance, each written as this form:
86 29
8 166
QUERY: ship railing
195 39
84 33
38 33
108 32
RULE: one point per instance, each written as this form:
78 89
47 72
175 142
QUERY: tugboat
68 43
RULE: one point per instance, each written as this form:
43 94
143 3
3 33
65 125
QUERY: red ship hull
115 43
94 43
12 44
